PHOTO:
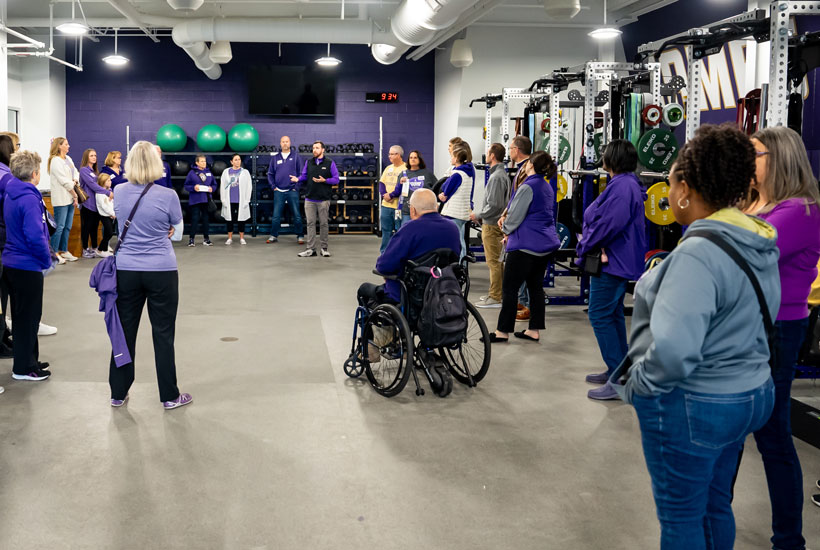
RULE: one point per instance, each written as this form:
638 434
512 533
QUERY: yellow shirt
390 177
814 295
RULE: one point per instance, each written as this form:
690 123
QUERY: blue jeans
462 227
387 222
64 218
691 443
606 315
279 200
524 296
405 218
774 441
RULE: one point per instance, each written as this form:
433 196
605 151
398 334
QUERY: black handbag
50 223
212 207
593 264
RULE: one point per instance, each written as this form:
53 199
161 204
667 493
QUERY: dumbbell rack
262 208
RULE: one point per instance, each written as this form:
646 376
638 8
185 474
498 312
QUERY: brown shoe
523 314
520 307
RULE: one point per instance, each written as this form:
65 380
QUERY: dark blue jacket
27 245
415 239
116 179
280 170
615 222
536 233
194 178
165 180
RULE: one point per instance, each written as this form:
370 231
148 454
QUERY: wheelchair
386 346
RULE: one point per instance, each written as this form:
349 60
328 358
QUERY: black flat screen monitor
291 90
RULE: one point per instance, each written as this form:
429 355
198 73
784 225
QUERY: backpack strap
127 223
732 252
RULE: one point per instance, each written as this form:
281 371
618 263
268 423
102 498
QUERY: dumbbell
344 195
304 148
368 148
354 196
366 219
334 196
370 170
365 195
339 219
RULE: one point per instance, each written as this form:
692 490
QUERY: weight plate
673 115
545 126
652 253
652 115
598 142
653 210
602 181
562 188
564 149
657 149
655 259
564 235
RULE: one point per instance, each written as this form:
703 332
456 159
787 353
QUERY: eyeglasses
761 153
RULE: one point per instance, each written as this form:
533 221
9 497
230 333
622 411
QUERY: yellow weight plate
563 186
655 212
602 181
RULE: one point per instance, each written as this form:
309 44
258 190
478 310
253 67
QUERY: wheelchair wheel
471 358
387 348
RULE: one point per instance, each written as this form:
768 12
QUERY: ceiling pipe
133 16
467 19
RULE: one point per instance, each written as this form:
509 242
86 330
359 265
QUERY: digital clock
382 97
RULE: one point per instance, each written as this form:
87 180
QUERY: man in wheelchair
427 231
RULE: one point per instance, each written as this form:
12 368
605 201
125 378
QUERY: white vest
458 206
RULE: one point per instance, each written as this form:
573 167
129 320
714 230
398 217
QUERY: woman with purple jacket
200 183
89 217
784 193
530 239
614 225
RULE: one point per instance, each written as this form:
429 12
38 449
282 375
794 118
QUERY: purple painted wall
161 85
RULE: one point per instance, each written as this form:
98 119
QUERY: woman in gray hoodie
699 377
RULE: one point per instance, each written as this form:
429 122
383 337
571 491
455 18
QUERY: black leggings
108 231
234 216
199 214
89 224
520 267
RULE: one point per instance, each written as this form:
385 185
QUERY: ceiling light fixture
605 33
73 27
117 60
328 61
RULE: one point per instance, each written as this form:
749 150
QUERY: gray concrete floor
281 450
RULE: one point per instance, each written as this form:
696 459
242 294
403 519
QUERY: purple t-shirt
233 178
146 246
798 238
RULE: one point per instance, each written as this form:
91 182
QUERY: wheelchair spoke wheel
388 350
471 358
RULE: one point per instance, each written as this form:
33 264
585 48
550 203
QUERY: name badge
278 162
208 174
164 174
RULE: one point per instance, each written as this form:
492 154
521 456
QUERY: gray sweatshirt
496 195
697 323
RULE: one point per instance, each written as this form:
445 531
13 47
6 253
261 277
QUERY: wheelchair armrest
469 259
390 277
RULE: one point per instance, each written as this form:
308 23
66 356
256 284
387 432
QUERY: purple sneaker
182 400
600 378
119 402
603 393
89 253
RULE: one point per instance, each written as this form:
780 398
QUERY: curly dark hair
718 163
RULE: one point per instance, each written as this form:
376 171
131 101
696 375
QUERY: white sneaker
324 252
60 259
489 303
243 241
307 253
483 298
2 389
229 241
69 256
102 253
46 330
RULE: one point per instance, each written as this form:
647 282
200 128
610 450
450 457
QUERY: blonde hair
143 164
102 178
24 164
109 158
15 139
789 174
55 150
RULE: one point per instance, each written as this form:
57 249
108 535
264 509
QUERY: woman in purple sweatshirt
200 183
89 218
26 255
614 224
785 195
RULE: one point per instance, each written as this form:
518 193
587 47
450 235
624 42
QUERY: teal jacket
696 323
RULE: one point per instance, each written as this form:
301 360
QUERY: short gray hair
399 149
143 164
424 201
24 164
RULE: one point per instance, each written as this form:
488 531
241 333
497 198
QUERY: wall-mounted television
291 90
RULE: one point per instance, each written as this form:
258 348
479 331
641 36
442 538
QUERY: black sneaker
816 499
307 253
207 243
191 242
35 375
43 365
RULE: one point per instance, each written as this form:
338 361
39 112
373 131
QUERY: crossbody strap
732 252
127 223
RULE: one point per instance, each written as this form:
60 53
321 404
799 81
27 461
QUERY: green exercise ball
243 138
171 138
211 138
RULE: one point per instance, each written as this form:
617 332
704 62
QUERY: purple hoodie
104 281
615 222
88 181
27 245
116 178
281 169
199 177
